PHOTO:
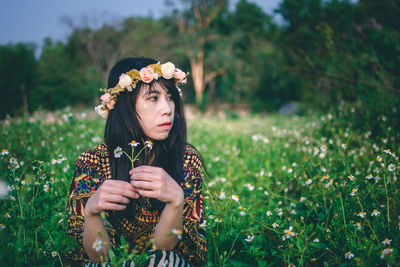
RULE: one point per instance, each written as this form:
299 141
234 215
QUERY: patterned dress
93 168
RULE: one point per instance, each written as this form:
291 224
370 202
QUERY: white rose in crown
102 112
125 81
168 70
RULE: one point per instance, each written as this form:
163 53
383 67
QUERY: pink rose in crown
107 101
147 75
179 75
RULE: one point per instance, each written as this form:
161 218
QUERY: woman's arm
154 182
111 195
171 218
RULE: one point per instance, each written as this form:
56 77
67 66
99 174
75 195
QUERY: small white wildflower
133 143
4 152
386 251
375 213
316 240
344 146
149 144
361 214
98 244
391 167
289 233
178 233
353 192
235 197
269 213
54 253
386 241
118 152
351 177
379 158
222 195
46 188
249 238
274 225
308 182
242 213
2 226
348 255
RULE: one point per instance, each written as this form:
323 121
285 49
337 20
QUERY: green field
281 190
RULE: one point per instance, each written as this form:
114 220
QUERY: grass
282 190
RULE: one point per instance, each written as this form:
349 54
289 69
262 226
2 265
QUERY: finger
144 176
148 193
116 199
113 206
143 185
117 183
123 191
144 168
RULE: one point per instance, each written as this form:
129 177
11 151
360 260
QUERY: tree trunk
197 65
24 99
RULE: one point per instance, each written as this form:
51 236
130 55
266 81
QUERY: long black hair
123 126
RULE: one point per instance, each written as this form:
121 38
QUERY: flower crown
129 80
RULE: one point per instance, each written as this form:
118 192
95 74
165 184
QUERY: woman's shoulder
192 158
94 156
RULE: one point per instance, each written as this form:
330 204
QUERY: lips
166 124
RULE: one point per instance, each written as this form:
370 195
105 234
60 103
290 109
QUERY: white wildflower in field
269 213
348 255
222 195
8 215
266 193
118 152
2 226
54 253
361 214
316 240
60 220
242 213
344 146
353 192
391 167
358 225
249 238
386 251
218 220
235 197
322 155
308 182
302 199
178 233
46 188
379 158
369 176
250 187
98 244
288 233
386 241
323 148
375 213
274 225
351 177
290 170
4 152
204 224
328 230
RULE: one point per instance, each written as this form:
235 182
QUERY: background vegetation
330 171
320 54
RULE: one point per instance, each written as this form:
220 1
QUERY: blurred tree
193 19
18 72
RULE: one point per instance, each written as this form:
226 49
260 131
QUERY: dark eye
170 98
153 98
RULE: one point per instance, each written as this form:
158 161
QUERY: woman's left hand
156 183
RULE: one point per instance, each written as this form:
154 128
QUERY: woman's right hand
111 195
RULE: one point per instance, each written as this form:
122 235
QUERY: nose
167 106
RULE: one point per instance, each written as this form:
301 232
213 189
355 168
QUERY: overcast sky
34 20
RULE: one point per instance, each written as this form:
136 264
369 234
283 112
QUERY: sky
34 20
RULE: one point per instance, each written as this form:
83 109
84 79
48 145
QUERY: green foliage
303 170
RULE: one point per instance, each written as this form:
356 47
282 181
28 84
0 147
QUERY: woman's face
155 109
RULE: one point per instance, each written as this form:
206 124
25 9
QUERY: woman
162 194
